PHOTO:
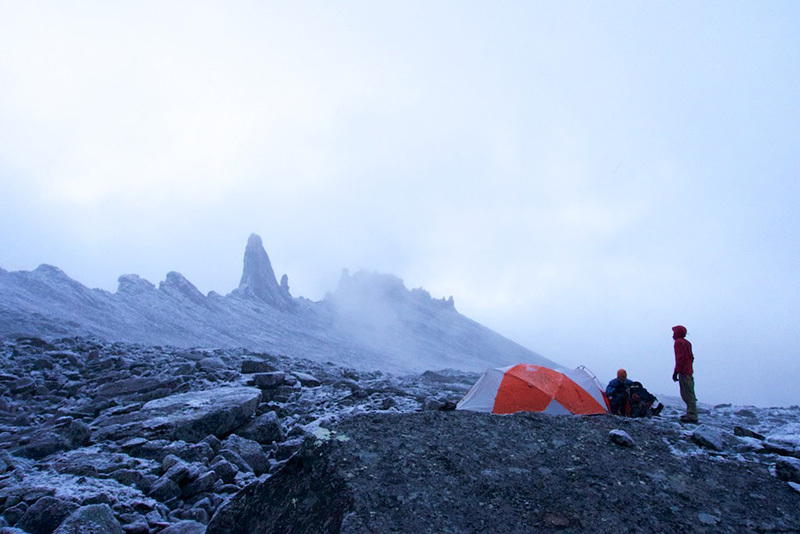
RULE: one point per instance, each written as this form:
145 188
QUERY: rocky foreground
121 438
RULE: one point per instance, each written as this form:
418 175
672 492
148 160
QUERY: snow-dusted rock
44 516
250 451
257 366
185 527
788 469
185 416
620 437
265 429
708 437
91 519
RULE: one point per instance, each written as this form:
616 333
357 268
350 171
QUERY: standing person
684 372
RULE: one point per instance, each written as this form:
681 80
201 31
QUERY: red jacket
683 352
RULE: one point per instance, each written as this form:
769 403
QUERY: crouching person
617 393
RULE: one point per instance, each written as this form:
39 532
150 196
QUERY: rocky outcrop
258 279
370 322
409 473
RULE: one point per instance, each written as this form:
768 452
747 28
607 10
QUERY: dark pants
687 394
619 404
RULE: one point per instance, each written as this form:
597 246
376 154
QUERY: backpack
637 392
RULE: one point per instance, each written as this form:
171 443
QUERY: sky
579 176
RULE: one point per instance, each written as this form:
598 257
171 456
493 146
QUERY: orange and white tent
533 388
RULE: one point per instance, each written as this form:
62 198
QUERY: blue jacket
615 387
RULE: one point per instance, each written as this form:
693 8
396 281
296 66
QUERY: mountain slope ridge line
371 321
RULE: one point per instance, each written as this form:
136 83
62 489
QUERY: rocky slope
371 321
114 437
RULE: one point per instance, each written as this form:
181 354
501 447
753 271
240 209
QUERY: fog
580 177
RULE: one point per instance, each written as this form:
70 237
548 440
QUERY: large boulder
91 519
382 472
186 416
44 516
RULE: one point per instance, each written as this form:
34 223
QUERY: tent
533 388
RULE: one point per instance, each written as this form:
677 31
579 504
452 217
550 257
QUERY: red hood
678 332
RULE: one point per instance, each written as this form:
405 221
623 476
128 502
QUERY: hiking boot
688 419
657 409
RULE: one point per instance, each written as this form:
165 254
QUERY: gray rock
235 459
185 416
268 380
266 428
620 437
202 483
13 513
708 437
788 469
136 527
43 444
250 451
44 516
746 432
256 366
213 442
211 364
307 380
132 478
129 386
226 471
185 527
179 473
164 490
77 434
91 519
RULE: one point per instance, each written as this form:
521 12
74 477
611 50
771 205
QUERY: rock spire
258 278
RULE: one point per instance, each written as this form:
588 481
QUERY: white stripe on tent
483 393
555 408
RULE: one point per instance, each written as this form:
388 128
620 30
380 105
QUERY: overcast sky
579 176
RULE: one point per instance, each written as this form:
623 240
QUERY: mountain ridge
371 321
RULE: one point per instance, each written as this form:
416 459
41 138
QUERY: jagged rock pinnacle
258 278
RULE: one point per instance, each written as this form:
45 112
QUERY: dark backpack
637 392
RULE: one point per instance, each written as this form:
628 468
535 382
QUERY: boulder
620 437
186 527
77 434
128 386
256 366
268 380
266 428
210 364
91 519
225 470
44 516
43 444
746 432
788 469
164 490
185 416
384 472
250 451
708 437
307 380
